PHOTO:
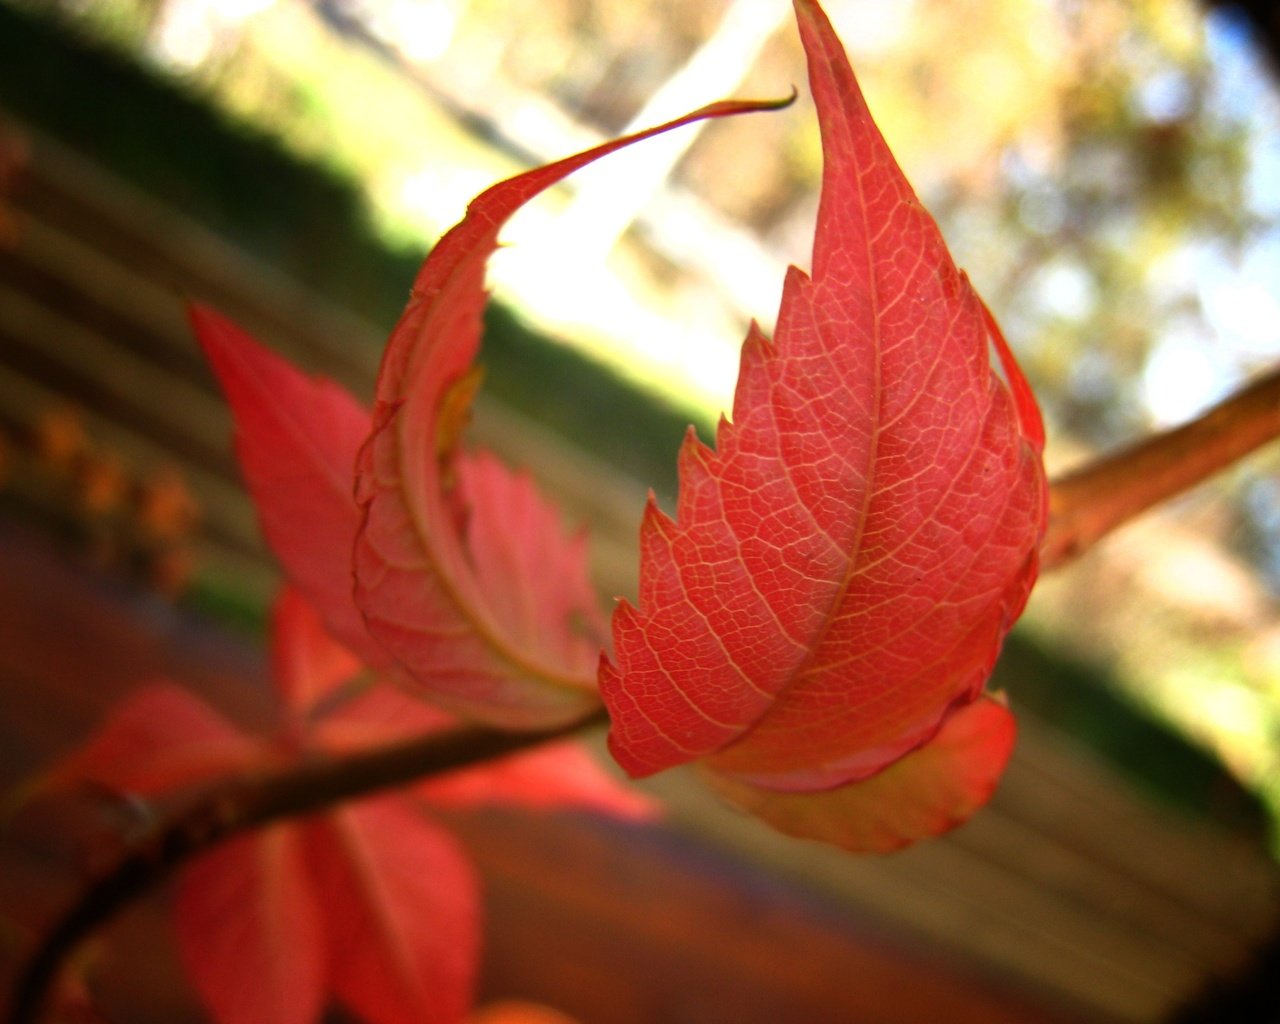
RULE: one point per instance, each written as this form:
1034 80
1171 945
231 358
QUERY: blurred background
1107 172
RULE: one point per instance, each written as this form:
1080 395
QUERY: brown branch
248 802
1089 503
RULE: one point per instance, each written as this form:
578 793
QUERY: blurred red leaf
372 902
307 663
160 738
402 906
843 567
251 930
554 775
296 443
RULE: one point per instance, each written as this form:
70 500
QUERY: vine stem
1084 506
251 801
1087 504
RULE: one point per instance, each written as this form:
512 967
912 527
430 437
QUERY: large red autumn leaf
844 565
462 573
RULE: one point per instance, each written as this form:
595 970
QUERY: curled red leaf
461 572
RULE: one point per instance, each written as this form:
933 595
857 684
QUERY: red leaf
373 902
307 663
402 908
488 617
553 776
251 930
296 442
535 581
380 715
922 794
843 567
160 738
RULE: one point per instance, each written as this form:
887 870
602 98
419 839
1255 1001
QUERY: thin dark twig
249 802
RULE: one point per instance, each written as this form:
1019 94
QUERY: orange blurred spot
60 438
102 484
167 510
511 1011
